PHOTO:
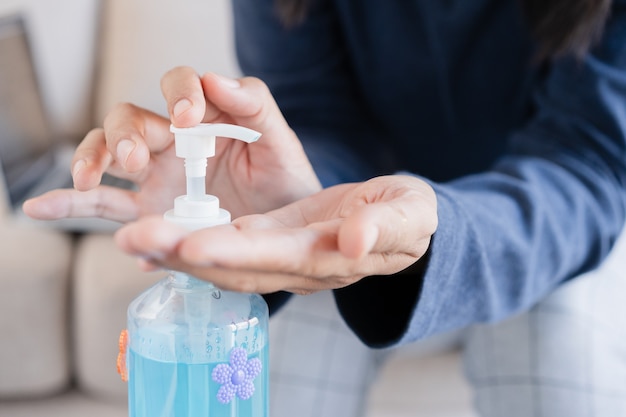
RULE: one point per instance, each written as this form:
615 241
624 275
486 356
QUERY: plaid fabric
318 368
564 358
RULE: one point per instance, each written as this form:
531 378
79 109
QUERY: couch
65 294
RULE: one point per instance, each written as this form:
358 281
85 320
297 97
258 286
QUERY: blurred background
65 286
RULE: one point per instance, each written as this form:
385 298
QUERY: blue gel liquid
166 389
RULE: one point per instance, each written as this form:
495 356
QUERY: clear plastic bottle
197 351
191 349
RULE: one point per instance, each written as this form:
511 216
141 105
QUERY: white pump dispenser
196 209
192 349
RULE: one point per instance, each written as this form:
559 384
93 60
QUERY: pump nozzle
199 141
196 209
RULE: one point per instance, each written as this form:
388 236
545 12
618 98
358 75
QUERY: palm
136 144
254 178
328 240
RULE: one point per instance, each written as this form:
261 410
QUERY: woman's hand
325 241
136 144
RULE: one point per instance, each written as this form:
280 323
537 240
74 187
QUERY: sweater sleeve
548 210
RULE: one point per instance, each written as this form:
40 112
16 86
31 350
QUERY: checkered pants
564 358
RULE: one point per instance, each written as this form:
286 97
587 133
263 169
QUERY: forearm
502 244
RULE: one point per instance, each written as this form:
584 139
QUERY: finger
266 249
283 250
90 161
386 228
155 242
150 238
132 133
259 261
104 202
375 227
388 215
155 238
183 93
358 235
247 100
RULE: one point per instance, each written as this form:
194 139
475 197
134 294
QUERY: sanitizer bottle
191 349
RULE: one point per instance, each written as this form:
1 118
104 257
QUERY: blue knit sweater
528 160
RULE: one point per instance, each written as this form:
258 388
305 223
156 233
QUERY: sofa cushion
105 281
34 353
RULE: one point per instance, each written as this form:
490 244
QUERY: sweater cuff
276 300
378 308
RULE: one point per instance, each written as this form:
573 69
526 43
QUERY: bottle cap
196 209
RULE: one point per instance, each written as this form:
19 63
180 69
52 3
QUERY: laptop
32 162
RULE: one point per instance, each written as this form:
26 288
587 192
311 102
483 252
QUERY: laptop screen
24 129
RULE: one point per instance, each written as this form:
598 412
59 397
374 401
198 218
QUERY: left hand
325 241
136 144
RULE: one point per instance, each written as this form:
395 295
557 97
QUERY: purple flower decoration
236 377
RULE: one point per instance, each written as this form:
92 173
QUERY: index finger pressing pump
191 349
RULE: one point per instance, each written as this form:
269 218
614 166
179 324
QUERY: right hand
328 240
136 144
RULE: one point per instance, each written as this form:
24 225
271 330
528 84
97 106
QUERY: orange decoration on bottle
121 356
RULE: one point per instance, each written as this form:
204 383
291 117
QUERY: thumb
183 93
384 228
248 101
359 233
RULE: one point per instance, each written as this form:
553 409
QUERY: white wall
62 34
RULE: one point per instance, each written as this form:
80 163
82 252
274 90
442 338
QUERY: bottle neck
186 281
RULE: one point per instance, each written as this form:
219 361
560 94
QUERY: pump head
196 209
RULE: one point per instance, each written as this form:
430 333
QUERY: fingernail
228 82
181 107
78 165
124 149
